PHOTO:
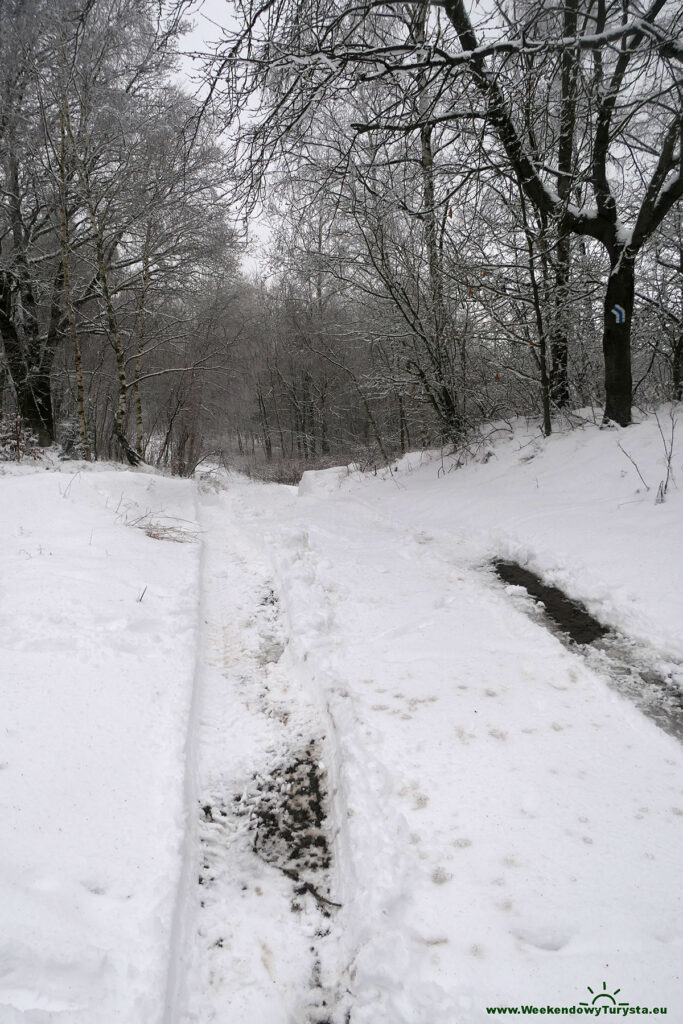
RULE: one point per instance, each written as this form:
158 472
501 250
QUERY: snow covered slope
572 506
97 628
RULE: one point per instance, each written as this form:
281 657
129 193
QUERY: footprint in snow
546 939
440 876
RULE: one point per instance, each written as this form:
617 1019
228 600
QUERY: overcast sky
208 17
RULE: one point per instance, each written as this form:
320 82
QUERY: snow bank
98 593
572 506
322 481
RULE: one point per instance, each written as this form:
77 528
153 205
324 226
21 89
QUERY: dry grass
160 531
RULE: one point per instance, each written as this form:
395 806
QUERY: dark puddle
652 690
571 617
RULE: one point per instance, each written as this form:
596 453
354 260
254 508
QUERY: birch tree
113 213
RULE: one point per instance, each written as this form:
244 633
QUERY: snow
240 952
624 235
95 685
505 827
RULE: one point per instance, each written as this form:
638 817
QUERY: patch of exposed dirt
286 812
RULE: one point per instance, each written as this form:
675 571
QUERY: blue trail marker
619 313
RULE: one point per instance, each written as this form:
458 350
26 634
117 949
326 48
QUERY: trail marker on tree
619 313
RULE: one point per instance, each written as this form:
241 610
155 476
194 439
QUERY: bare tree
113 216
616 104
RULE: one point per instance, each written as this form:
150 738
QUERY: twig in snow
633 463
668 452
65 492
294 875
306 886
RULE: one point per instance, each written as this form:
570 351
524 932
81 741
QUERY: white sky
208 17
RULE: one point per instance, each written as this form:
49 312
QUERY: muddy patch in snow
285 812
281 814
652 684
287 818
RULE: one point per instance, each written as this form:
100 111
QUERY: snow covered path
507 829
248 948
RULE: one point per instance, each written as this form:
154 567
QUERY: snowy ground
97 639
502 827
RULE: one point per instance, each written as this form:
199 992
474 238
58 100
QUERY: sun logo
609 997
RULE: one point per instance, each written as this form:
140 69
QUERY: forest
341 371
459 215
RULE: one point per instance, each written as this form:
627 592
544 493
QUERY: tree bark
120 409
34 398
677 354
31 382
677 368
559 337
140 323
616 339
402 426
29 362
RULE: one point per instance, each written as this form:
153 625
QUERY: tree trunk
559 335
677 354
402 426
121 408
31 385
616 339
540 357
276 411
34 398
324 439
70 314
265 425
438 350
140 322
29 362
677 368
